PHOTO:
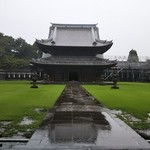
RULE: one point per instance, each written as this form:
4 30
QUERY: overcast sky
126 22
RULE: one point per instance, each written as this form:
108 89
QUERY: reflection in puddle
75 133
76 127
77 119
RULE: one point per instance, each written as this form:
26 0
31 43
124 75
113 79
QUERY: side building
72 52
130 71
134 71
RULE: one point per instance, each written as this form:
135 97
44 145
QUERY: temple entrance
73 76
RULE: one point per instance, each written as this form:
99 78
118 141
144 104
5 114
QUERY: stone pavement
79 122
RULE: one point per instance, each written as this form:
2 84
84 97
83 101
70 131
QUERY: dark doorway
73 76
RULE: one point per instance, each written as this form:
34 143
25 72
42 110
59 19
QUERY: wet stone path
78 121
77 117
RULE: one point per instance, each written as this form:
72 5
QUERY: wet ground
77 118
78 121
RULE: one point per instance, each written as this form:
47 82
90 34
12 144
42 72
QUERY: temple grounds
17 100
79 121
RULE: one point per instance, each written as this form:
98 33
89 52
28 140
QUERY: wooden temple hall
72 52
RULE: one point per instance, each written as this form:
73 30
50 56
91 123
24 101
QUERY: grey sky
126 22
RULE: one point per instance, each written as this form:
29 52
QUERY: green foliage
16 53
10 62
133 56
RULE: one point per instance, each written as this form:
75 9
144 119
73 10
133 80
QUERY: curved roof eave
69 64
55 48
50 42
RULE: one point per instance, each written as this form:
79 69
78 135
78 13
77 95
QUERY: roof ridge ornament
54 36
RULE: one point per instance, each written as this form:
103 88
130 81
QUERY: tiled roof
74 35
90 61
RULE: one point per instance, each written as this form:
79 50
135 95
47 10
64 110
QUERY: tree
133 56
16 53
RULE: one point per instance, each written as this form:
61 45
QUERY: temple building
73 52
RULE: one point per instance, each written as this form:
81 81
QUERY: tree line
16 53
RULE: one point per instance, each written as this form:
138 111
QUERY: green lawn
17 99
133 98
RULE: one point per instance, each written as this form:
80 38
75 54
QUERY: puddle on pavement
77 127
72 133
83 128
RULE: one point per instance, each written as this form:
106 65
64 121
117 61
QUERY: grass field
18 100
133 98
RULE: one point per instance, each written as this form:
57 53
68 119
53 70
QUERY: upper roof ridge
73 25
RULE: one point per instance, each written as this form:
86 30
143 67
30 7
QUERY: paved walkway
78 121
